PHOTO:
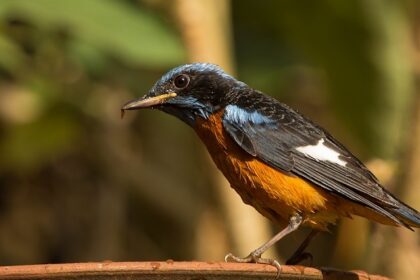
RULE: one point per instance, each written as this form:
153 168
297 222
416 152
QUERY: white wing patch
321 152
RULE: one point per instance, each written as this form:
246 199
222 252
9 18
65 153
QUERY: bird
291 170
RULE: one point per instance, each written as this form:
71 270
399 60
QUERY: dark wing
271 131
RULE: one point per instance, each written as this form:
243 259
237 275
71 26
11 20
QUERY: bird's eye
182 81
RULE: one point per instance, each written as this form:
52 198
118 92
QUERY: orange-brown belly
275 194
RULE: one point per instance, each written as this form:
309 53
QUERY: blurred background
78 184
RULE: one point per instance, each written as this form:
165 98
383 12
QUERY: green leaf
115 27
29 145
11 56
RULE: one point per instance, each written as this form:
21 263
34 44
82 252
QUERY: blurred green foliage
46 44
367 81
104 27
65 69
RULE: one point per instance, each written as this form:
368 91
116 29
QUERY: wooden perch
174 270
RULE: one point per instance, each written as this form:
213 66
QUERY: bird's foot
254 258
296 259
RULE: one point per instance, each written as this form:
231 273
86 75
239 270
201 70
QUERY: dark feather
279 130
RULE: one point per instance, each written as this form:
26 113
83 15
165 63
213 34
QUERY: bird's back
277 134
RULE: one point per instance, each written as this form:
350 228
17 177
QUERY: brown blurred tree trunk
206 30
396 251
406 251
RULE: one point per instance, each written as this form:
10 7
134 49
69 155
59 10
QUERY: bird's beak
146 102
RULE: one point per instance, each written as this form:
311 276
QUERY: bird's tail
408 215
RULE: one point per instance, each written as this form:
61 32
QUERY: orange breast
273 193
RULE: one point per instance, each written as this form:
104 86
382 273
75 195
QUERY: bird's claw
232 258
254 258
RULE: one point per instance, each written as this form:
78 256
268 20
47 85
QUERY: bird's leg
300 253
255 256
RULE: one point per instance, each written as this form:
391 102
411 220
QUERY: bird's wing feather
274 133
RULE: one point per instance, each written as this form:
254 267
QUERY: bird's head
188 92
